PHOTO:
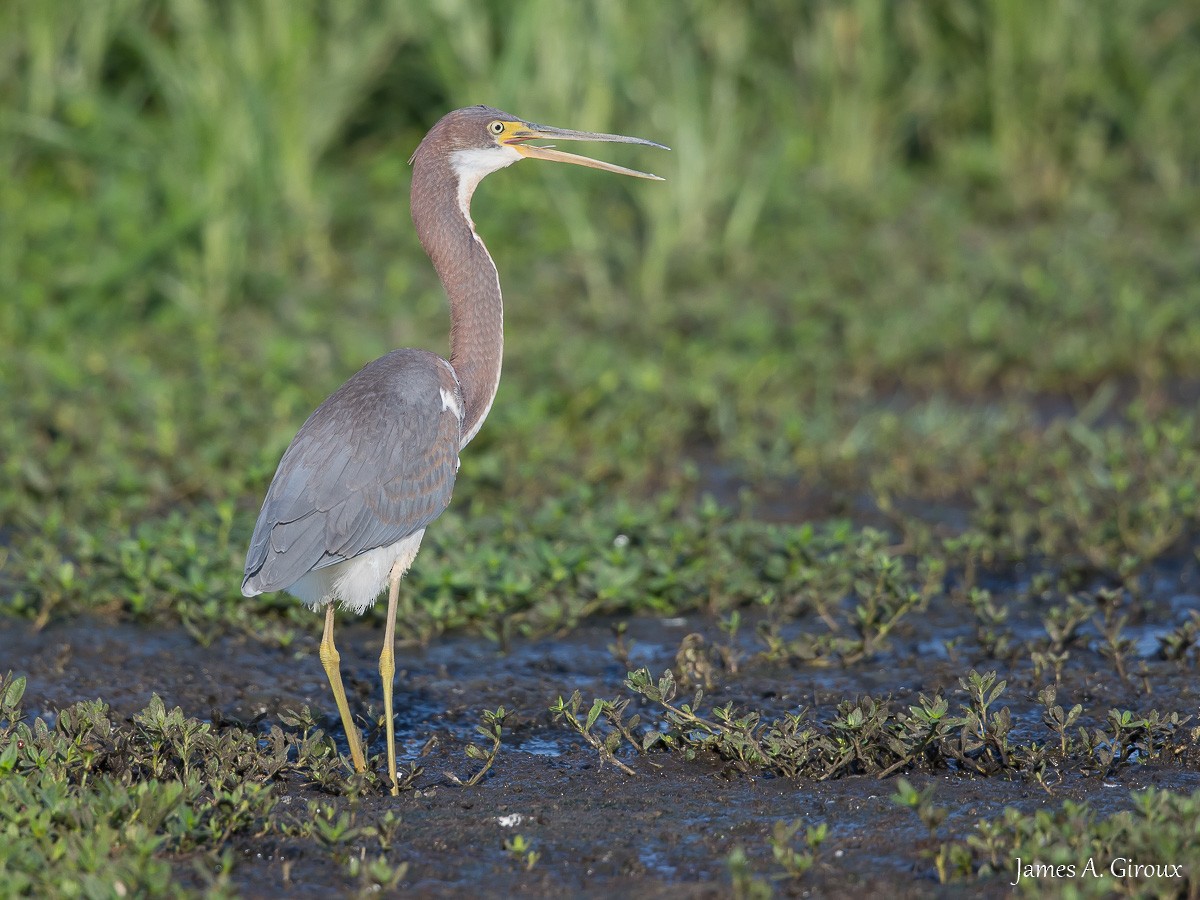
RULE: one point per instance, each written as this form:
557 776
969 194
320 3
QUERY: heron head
480 140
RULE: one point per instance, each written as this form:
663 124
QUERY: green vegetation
867 737
90 806
1099 852
907 338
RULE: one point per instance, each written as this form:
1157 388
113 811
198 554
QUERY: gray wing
375 463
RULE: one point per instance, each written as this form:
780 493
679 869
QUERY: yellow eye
496 128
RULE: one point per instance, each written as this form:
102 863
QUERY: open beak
544 132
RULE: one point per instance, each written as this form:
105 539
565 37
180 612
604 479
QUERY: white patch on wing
356 584
455 396
450 402
449 368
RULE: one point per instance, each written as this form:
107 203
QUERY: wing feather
373 464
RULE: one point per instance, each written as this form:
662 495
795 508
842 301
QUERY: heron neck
442 215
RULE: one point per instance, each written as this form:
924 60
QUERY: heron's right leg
331 659
387 670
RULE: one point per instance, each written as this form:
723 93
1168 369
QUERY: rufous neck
442 215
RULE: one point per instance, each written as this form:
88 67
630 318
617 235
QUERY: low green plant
1148 850
492 729
611 711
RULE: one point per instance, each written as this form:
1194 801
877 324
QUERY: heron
375 463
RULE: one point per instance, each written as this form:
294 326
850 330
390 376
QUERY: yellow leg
330 659
387 672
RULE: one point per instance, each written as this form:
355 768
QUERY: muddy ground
665 831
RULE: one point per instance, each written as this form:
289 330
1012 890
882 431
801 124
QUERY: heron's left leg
331 660
387 670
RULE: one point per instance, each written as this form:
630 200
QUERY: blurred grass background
897 240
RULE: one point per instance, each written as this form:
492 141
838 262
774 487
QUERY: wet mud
666 831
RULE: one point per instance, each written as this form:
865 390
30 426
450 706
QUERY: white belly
356 584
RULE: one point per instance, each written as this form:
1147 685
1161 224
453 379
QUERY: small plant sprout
796 862
744 883
949 859
1179 643
375 875
491 729
730 655
1111 623
619 648
1062 622
983 738
920 802
1048 659
521 850
990 617
1058 720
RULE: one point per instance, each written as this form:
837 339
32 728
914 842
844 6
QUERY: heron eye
497 127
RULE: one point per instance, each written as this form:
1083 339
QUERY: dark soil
664 832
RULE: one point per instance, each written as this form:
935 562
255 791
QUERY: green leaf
15 691
594 714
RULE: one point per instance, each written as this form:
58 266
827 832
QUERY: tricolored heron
375 464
